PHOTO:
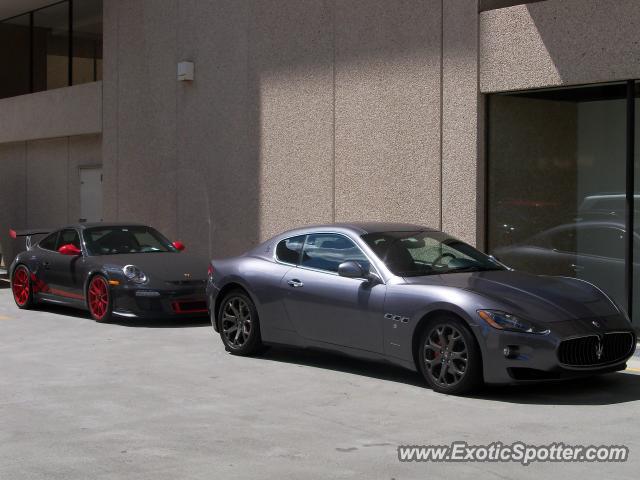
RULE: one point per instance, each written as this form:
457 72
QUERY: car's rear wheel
99 299
449 357
21 287
239 325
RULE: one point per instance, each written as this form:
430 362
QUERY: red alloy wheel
20 286
98 298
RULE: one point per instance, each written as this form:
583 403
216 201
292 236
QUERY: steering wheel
451 256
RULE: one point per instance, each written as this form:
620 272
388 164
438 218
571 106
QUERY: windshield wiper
473 268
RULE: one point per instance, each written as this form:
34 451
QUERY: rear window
49 243
288 250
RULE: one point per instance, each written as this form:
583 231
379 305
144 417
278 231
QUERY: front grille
594 350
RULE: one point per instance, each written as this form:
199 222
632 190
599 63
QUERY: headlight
134 274
507 321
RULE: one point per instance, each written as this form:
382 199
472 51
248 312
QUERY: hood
534 297
167 266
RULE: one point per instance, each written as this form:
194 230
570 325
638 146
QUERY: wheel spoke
236 322
445 355
98 297
231 329
20 286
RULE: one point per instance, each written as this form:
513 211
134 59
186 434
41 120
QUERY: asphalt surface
162 400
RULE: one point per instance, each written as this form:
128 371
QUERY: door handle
295 283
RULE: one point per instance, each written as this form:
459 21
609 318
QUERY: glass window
288 250
563 239
51 47
38 53
87 41
326 251
68 236
557 183
412 254
128 239
635 268
49 243
603 242
15 46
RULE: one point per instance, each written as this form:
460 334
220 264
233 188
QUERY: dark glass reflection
87 41
557 183
37 53
51 47
15 44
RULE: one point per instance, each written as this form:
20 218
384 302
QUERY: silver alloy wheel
236 322
445 355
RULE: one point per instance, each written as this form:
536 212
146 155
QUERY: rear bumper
185 302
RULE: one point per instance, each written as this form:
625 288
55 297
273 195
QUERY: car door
325 307
45 251
64 270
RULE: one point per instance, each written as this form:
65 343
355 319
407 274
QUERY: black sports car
112 270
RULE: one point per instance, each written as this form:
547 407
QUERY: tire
22 288
244 339
99 299
447 343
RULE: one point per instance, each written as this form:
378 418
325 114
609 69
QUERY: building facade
509 124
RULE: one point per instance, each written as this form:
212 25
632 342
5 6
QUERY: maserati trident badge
187 275
599 348
595 324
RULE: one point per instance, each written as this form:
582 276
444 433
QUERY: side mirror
69 249
351 269
178 245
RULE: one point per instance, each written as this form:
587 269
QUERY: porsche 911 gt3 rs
111 270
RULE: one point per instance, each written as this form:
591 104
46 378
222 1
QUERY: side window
288 250
68 236
326 251
49 243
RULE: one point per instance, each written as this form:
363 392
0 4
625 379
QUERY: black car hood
546 299
167 266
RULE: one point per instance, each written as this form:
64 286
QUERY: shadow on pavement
162 322
127 322
343 363
606 389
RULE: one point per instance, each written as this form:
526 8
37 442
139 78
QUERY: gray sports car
111 269
419 298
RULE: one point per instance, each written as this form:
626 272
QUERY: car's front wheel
21 287
99 299
239 325
449 356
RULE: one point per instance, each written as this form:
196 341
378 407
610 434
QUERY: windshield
413 254
127 239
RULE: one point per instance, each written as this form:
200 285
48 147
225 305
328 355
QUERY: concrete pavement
159 400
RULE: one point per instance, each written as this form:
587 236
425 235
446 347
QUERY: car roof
85 225
359 228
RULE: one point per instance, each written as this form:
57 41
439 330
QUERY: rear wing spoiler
28 234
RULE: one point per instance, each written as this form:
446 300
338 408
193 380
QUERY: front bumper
146 302
537 358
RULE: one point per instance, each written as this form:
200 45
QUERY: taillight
210 272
